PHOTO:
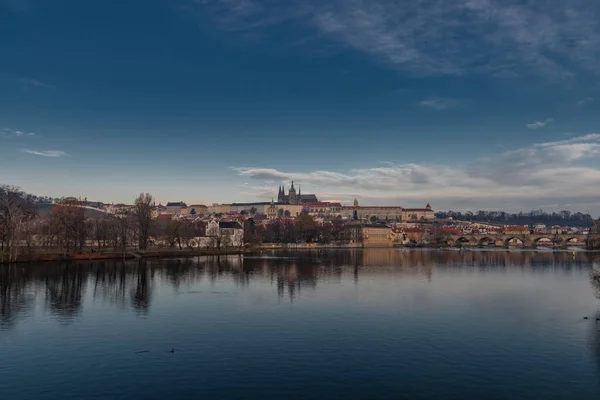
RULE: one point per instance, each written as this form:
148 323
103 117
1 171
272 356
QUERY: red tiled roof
452 231
413 230
379 207
516 228
321 204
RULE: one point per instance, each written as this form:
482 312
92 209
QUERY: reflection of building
388 213
295 198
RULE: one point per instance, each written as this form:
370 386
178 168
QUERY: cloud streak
539 124
585 101
14 133
35 83
440 104
547 172
45 153
509 38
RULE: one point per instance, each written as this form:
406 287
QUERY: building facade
323 209
387 213
377 236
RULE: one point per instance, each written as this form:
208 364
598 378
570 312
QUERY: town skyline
282 196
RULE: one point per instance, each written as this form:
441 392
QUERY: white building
220 234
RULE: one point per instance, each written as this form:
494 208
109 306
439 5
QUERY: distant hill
45 210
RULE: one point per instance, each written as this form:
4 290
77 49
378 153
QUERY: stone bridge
524 240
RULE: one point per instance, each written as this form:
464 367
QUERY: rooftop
176 204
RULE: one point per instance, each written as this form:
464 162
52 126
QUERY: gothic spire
292 185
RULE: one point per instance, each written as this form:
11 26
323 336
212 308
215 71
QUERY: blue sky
469 104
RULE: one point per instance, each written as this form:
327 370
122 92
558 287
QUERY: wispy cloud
585 101
553 39
12 133
539 124
589 138
45 153
35 83
440 104
558 172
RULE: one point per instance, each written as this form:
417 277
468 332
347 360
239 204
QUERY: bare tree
15 211
68 223
173 231
142 212
225 239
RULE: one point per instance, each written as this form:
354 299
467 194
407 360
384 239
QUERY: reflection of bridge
525 240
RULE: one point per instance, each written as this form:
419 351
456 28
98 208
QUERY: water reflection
594 334
62 288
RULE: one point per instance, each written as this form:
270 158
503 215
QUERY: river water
351 324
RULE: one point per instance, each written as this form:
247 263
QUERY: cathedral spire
292 185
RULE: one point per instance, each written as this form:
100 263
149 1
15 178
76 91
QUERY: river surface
348 324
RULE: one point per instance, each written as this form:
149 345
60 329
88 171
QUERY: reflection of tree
64 290
14 299
110 282
595 279
141 293
130 284
594 333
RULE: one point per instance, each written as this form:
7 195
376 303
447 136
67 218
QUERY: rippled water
352 324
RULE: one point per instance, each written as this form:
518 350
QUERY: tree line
67 228
564 217
303 229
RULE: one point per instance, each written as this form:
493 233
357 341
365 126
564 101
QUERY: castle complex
293 198
293 203
387 213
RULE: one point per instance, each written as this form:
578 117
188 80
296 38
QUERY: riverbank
55 256
130 255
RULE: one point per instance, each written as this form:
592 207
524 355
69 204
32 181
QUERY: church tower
281 194
292 196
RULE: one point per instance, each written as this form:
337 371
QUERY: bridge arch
517 240
462 240
543 240
575 241
486 241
